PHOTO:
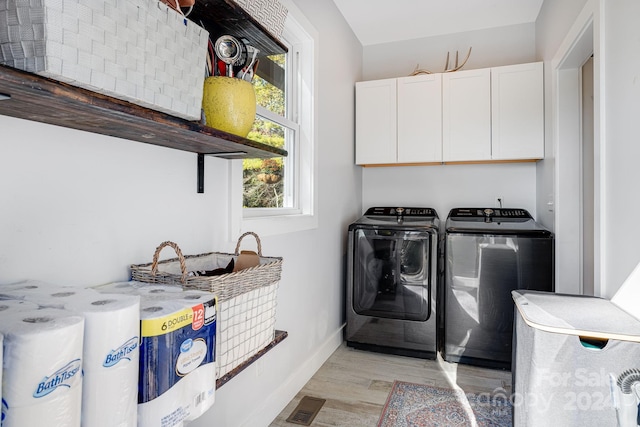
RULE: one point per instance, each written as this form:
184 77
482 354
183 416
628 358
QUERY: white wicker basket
140 51
247 298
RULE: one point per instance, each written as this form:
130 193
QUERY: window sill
279 224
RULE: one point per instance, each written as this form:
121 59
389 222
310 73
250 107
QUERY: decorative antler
456 67
417 71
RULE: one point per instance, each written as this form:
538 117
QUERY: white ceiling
383 21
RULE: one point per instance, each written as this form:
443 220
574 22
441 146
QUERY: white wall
78 209
449 186
490 48
446 187
621 94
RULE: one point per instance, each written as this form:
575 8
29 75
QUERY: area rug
420 405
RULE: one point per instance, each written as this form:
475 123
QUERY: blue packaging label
63 377
173 346
123 352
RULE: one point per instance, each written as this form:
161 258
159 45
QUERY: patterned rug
419 405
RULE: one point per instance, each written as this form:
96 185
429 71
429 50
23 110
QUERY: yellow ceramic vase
229 104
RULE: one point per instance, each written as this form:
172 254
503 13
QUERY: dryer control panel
489 213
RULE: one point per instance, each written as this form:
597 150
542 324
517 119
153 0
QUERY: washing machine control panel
400 211
489 213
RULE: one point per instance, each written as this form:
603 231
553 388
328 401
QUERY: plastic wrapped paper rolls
177 369
111 357
42 368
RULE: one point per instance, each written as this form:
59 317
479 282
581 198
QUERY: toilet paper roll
49 296
137 288
111 357
42 368
8 307
27 285
178 342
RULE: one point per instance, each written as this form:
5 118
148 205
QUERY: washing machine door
392 273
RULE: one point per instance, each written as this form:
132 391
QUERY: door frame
582 40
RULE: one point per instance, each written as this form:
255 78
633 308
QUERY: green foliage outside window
262 178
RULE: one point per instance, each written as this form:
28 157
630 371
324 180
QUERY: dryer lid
494 221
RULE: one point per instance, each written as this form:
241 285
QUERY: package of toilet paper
177 352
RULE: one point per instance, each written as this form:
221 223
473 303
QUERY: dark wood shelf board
279 337
41 99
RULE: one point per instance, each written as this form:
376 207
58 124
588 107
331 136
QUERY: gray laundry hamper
576 362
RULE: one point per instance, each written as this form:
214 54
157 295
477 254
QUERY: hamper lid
576 315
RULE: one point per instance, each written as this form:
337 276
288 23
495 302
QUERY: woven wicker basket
175 271
246 298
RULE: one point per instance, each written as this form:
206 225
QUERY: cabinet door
376 122
517 97
420 119
466 115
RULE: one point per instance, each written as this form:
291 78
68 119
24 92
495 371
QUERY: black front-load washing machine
488 253
392 280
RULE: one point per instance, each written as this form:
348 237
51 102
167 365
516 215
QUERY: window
272 196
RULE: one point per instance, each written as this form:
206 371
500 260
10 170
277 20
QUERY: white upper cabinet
517 95
376 122
466 115
420 119
491 114
399 120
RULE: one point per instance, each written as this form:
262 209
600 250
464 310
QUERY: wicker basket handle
257 240
183 263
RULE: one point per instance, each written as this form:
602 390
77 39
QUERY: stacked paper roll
177 369
8 307
20 289
137 288
111 357
42 368
52 296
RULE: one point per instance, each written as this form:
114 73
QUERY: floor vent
306 411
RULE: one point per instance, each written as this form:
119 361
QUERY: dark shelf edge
279 337
36 98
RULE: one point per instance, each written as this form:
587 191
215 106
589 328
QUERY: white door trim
581 41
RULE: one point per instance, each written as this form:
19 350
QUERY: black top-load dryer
488 253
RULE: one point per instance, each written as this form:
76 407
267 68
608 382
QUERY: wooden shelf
279 337
40 99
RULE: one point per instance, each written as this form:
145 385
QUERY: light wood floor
356 384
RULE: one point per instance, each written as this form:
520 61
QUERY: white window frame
303 214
